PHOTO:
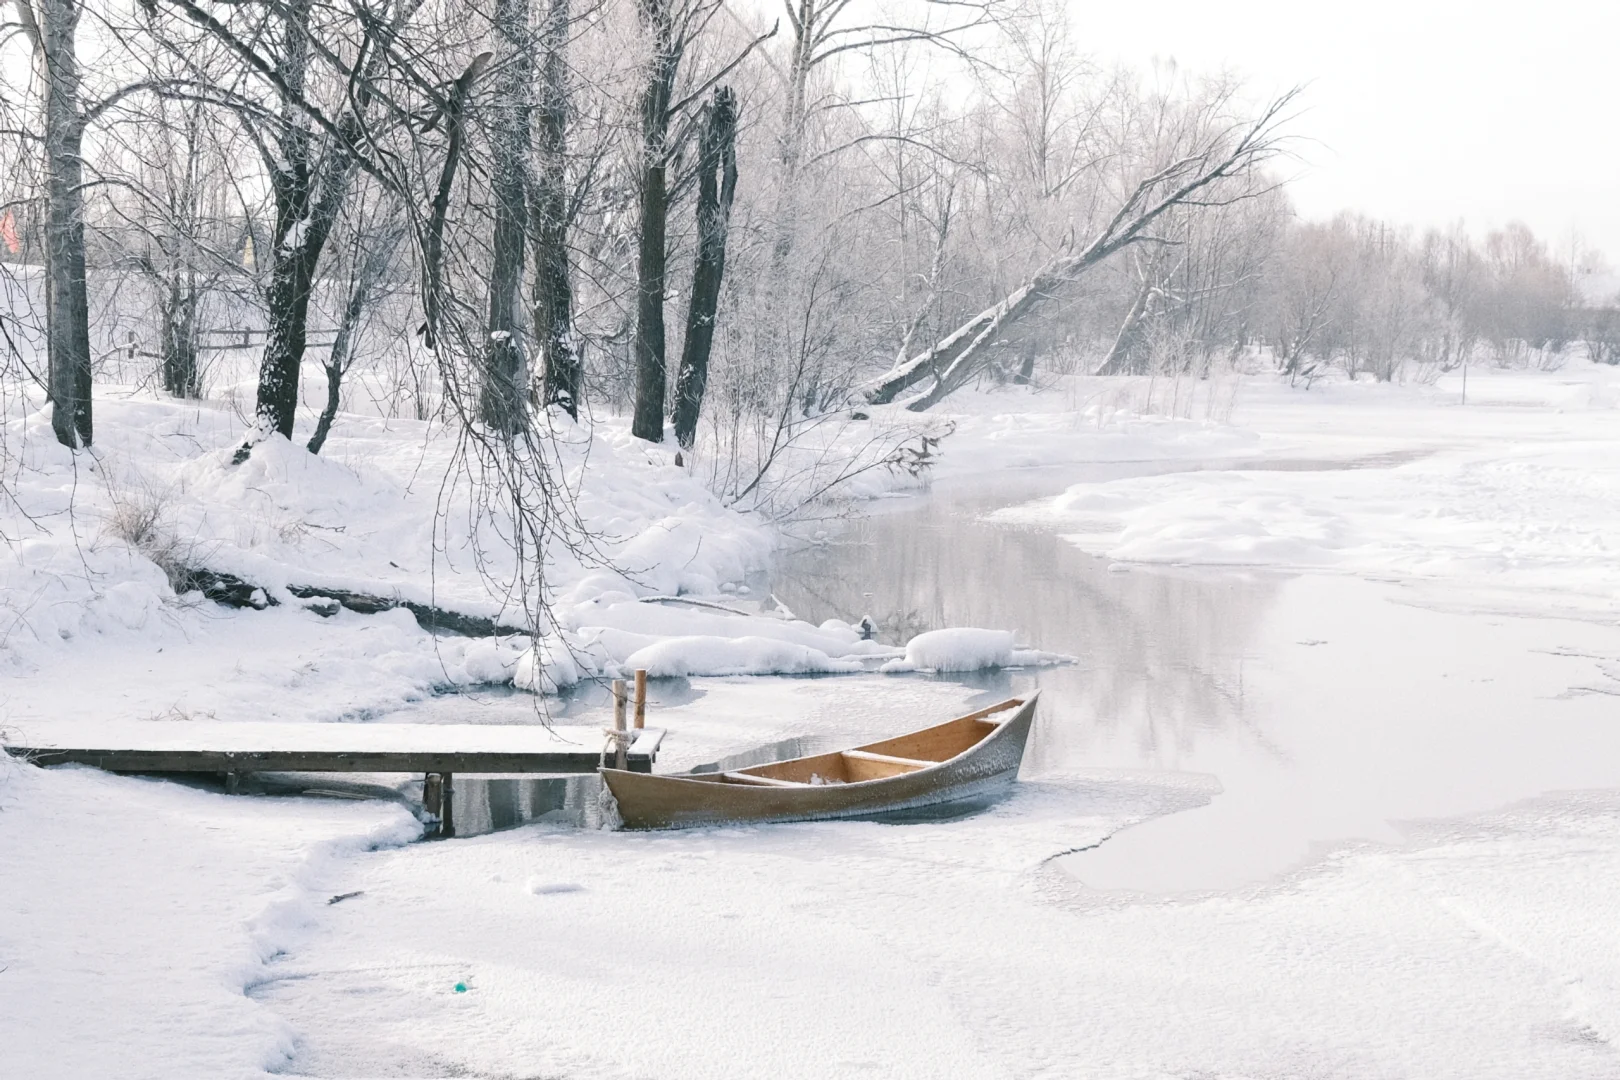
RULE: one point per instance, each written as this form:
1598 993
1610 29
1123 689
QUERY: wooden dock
434 751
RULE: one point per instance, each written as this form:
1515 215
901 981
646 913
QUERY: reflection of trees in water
1161 651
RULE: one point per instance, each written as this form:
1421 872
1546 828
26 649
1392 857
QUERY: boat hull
648 801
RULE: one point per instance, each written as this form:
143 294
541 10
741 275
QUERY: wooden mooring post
641 698
620 741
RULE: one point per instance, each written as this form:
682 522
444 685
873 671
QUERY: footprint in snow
546 888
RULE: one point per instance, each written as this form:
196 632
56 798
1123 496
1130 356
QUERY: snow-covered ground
148 929
136 916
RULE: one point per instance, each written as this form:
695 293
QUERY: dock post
641 698
436 788
432 794
621 741
447 816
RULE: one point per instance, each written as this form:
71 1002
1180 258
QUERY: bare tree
553 287
310 155
1453 275
715 195
822 31
182 237
1153 272
504 398
672 26
51 27
370 252
1196 173
661 22
1305 289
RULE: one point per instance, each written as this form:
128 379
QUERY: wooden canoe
962 759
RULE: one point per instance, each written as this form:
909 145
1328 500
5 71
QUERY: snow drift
968 649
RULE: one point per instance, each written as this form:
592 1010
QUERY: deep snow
135 916
148 929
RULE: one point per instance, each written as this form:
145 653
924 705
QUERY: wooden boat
962 759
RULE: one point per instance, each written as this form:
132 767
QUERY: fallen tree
233 591
1197 178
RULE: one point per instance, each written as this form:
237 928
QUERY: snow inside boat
961 759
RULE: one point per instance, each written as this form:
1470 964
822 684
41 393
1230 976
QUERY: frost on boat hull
960 759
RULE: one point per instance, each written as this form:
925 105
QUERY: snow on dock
234 748
437 752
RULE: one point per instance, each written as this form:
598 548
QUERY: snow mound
546 667
707 655
613 634
967 648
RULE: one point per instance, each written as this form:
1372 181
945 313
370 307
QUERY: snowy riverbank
156 930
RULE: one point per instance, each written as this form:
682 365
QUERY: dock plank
227 747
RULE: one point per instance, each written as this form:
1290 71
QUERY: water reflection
1161 652
488 803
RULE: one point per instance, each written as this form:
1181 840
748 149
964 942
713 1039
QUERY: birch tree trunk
719 154
802 18
67 303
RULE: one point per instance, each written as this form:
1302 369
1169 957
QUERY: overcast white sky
1424 112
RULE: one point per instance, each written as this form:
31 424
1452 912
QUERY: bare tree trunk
366 278
336 364
179 337
433 247
505 390
307 201
67 309
951 361
292 275
803 16
553 290
714 219
1026 366
1123 358
651 373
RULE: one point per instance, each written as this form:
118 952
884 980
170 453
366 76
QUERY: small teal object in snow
461 988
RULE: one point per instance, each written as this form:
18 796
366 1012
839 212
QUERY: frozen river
1329 709
1271 825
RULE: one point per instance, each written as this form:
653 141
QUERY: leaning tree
1210 161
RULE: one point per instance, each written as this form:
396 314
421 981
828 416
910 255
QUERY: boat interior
875 761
